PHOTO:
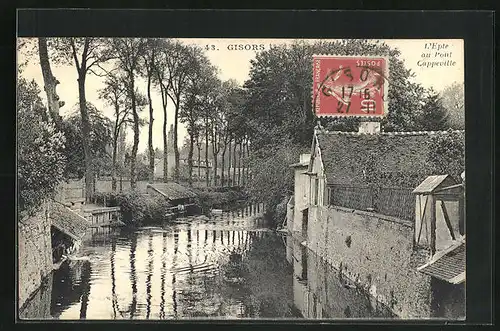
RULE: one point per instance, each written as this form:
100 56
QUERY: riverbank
140 209
188 270
221 198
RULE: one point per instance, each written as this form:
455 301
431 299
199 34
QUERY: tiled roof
67 221
390 152
173 191
449 266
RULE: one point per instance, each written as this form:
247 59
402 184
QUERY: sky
233 61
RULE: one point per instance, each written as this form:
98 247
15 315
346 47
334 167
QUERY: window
316 191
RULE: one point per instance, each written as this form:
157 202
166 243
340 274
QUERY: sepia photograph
230 179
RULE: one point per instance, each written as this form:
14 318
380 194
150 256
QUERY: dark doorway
305 220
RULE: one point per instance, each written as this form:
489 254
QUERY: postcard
216 178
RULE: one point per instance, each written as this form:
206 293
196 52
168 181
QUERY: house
356 160
297 221
355 206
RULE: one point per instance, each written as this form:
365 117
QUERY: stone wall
319 292
301 198
34 253
290 208
376 252
39 305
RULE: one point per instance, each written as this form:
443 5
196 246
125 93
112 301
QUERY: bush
210 198
447 154
273 180
137 209
40 160
280 213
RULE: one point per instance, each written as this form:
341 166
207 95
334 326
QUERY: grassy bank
137 209
142 209
219 198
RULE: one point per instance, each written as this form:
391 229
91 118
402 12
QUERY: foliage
434 116
448 153
100 136
214 199
142 171
128 52
281 209
279 91
137 209
272 178
40 161
453 101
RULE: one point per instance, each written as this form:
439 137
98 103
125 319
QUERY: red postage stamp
350 85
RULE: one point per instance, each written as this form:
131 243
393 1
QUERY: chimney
369 127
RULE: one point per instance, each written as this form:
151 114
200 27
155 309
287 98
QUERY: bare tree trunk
248 162
164 101
115 150
243 163
190 159
229 164
222 179
151 150
165 144
234 163
214 153
50 82
239 164
198 145
207 169
113 170
135 146
176 148
89 173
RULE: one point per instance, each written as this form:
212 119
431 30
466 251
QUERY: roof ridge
394 133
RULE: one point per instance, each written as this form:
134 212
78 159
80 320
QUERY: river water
227 266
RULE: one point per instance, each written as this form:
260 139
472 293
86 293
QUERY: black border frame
475 27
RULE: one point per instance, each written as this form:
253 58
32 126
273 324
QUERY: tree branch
75 57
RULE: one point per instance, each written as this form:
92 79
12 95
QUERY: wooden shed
67 230
181 198
440 213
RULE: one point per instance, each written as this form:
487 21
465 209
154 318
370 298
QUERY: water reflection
228 266
320 293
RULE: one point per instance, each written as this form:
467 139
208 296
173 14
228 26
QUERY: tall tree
100 136
236 122
129 52
149 70
114 95
278 108
279 105
198 147
454 102
199 83
434 116
50 82
164 82
86 54
179 62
